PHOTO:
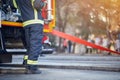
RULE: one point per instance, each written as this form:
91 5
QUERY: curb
12 71
94 68
20 69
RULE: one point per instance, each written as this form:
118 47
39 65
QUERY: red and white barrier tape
78 40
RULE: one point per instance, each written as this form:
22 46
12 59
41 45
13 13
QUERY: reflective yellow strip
31 62
26 23
25 57
35 11
35 14
14 3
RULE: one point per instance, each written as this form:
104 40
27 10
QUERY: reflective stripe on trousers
32 62
26 57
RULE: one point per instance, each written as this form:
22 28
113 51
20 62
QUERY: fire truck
12 40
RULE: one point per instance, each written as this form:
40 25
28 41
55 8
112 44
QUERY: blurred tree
89 16
62 12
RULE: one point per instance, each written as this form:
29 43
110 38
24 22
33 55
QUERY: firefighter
33 26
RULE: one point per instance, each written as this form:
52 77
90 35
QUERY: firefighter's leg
23 38
36 35
27 45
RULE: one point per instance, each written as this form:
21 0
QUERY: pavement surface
78 62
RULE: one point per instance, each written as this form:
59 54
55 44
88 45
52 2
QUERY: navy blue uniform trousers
33 36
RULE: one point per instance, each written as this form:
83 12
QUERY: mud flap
5 58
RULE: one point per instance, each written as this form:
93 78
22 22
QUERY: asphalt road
64 74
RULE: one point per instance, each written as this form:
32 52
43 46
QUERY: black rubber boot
32 69
25 62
